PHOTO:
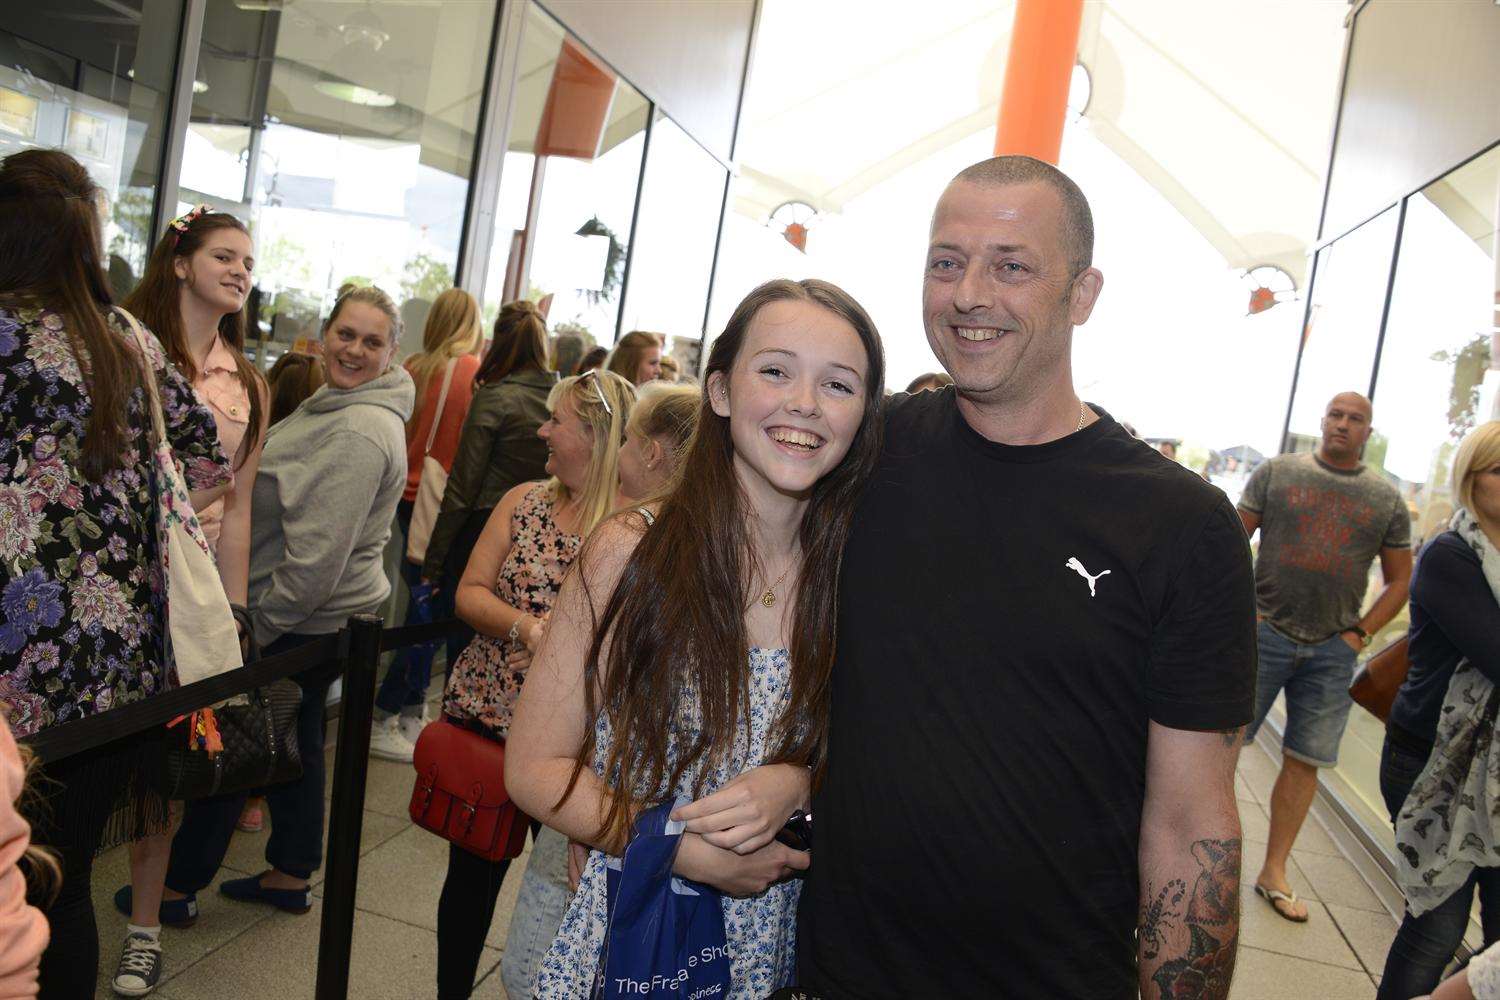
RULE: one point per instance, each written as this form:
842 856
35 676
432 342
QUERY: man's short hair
1078 218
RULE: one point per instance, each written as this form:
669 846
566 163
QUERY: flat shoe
249 890
1274 896
173 913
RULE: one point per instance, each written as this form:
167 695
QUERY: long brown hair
676 620
520 343
156 302
50 246
293 378
454 328
625 359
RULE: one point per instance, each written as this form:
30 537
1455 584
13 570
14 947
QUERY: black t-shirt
1010 619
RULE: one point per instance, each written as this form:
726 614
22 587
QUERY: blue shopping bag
665 936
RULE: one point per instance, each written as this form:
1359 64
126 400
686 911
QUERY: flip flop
1274 896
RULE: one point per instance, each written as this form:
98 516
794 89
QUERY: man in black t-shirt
1046 654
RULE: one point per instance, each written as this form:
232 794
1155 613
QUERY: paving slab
1264 975
277 958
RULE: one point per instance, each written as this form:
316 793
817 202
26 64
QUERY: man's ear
718 393
1085 294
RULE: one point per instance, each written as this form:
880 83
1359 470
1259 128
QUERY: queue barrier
357 647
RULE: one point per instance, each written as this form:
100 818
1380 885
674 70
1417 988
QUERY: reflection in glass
1338 353
75 75
1436 381
678 226
568 185
344 134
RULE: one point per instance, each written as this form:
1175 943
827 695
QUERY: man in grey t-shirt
1323 518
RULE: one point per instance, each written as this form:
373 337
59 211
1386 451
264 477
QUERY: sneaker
387 741
412 725
140 966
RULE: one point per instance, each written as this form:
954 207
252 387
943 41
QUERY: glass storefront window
568 185
98 87
676 231
1437 380
1343 325
344 134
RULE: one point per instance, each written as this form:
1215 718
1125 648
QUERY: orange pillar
1034 104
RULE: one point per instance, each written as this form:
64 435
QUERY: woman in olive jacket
497 449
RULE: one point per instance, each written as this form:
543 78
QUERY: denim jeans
1424 945
406 680
296 842
1316 679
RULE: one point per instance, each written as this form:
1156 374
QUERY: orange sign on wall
577 107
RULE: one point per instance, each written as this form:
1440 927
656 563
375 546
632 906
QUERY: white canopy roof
1225 106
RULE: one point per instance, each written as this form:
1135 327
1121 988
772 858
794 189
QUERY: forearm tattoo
1198 931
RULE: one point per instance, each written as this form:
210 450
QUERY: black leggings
465 910
99 797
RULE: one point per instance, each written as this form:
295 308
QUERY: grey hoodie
322 505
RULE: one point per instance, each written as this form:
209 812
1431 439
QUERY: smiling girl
193 297
690 654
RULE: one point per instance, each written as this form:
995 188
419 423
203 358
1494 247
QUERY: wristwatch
1364 637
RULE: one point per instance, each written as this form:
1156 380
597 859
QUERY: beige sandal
1275 896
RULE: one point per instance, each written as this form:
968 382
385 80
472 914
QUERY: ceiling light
353 93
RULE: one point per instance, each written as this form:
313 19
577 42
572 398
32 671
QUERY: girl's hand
738 874
578 857
745 815
520 659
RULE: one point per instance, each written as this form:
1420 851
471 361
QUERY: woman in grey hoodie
322 507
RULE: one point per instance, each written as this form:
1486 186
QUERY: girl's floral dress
481 686
761 932
81 589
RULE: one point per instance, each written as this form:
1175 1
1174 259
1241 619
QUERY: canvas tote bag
430 487
202 640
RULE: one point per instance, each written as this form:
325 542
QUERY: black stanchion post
346 810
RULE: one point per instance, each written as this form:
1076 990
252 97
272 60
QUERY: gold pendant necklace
769 597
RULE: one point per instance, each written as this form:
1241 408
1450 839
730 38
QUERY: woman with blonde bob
450 339
506 594
1455 626
657 438
637 357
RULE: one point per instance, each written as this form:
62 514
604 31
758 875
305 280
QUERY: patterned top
219 388
481 685
1484 974
761 932
81 623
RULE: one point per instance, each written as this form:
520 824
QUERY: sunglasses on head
599 383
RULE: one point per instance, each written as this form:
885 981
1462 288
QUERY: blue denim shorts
1316 679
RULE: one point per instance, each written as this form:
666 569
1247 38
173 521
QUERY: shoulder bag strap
437 418
153 395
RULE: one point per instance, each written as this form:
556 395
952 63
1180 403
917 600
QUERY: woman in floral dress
506 594
690 654
81 585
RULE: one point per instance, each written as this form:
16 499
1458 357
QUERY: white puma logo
1092 578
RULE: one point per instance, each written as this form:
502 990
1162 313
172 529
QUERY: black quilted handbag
260 746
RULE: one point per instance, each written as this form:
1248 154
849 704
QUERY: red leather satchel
460 792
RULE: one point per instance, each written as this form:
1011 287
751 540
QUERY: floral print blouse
81 588
481 686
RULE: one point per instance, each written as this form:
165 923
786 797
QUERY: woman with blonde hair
444 376
637 357
1438 752
656 439
506 592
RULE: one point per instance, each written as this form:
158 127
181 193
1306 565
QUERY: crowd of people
1005 652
